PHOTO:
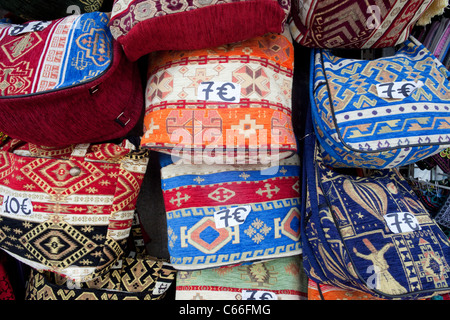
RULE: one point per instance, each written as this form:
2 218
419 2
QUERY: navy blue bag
370 233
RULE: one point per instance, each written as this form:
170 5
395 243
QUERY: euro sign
405 89
397 90
24 207
222 91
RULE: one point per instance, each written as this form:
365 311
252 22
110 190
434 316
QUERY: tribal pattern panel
69 216
127 13
358 128
193 193
67 52
362 250
284 277
354 24
136 279
178 120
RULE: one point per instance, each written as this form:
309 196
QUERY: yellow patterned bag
135 277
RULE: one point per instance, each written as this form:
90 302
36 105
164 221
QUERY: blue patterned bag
381 113
370 233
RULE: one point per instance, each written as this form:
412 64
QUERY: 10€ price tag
17 205
231 216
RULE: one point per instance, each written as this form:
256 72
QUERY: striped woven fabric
222 103
284 278
262 220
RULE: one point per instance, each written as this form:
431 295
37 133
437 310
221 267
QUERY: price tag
17 205
72 284
258 295
231 216
219 91
160 288
33 26
397 90
400 222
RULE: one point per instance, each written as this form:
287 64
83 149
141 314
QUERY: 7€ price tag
231 216
33 26
219 91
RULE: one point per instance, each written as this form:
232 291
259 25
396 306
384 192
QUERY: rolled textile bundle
227 214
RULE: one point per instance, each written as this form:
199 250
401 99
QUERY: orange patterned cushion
258 117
